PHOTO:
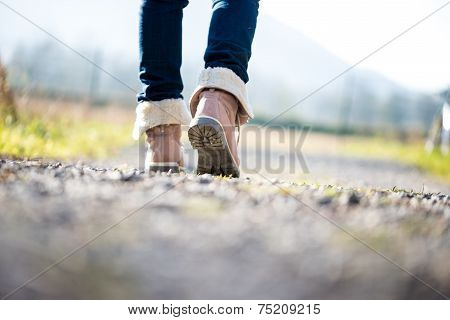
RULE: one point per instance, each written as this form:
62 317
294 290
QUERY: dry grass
64 130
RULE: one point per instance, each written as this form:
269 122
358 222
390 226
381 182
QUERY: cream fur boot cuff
150 114
227 80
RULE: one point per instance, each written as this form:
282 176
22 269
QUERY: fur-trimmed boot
161 121
164 149
212 133
218 105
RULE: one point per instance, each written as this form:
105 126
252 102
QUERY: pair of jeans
230 38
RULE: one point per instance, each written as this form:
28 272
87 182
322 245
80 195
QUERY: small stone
131 175
205 178
113 175
353 199
326 200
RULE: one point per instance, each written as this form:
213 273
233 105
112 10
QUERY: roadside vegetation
411 153
61 138
59 130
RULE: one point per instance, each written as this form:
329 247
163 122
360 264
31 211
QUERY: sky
352 29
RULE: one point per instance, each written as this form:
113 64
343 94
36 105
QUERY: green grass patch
61 138
413 154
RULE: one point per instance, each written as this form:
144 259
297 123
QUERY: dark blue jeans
230 37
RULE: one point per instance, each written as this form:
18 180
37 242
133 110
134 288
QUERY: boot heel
206 133
214 156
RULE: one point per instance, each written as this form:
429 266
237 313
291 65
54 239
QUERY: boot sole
164 168
214 155
173 167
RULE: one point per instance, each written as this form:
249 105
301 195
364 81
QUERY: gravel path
330 168
199 237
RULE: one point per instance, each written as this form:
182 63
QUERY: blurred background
376 159
397 94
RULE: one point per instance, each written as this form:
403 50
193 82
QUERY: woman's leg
230 40
220 101
231 35
160 101
161 109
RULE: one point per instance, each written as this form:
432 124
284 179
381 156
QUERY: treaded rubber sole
214 156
